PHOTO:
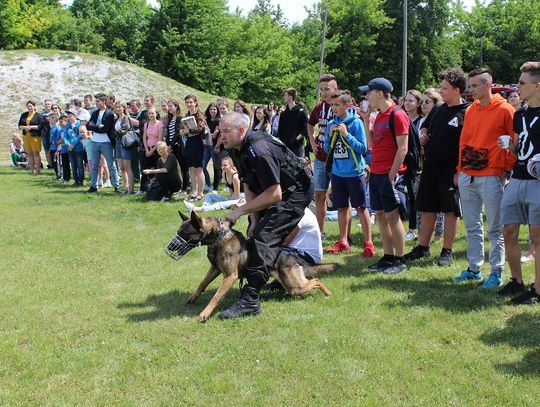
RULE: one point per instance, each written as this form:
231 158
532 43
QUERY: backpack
413 157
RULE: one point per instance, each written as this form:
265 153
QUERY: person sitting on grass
166 179
214 201
18 156
345 142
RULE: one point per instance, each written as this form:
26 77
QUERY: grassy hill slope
61 76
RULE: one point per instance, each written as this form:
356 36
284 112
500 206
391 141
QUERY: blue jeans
478 192
216 161
207 155
77 166
107 150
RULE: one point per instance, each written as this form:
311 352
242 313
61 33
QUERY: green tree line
204 45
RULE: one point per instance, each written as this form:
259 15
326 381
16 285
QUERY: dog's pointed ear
182 216
196 220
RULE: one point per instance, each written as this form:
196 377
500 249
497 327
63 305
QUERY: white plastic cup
505 141
364 106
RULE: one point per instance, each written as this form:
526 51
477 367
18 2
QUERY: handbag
207 137
131 139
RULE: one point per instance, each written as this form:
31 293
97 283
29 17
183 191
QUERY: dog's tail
320 269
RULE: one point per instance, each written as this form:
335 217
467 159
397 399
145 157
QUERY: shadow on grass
173 304
521 331
434 292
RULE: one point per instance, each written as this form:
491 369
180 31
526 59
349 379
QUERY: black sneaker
512 287
91 190
117 191
383 263
247 305
397 267
529 297
419 252
445 259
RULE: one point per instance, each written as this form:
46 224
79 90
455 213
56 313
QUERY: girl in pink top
153 132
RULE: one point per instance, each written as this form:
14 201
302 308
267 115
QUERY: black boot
248 304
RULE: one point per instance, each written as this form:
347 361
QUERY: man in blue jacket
102 125
345 143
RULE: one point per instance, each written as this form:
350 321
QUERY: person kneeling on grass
166 179
214 201
345 142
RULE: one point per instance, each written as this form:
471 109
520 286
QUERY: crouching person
278 188
166 179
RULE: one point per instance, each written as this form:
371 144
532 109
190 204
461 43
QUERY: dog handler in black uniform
278 187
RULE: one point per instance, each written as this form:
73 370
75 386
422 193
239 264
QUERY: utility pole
482 51
405 51
323 40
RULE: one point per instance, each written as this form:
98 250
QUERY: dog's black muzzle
178 246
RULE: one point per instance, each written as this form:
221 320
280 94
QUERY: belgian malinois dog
228 256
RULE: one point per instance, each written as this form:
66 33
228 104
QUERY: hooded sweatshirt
479 154
343 164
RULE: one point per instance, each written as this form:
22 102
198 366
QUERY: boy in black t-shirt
521 199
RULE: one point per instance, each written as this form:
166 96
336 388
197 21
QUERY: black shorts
436 190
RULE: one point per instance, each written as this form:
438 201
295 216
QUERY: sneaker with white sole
468 275
494 280
189 206
410 235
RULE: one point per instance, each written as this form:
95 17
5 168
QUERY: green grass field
93 313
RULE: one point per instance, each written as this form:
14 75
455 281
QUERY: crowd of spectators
477 155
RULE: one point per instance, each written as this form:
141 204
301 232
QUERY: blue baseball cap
382 84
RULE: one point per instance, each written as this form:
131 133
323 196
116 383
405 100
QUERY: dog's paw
203 317
192 299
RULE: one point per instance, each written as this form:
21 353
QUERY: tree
120 26
500 36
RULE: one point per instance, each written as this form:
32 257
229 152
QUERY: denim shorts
321 178
121 152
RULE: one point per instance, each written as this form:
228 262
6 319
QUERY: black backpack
413 159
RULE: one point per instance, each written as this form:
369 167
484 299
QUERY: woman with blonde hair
166 179
214 201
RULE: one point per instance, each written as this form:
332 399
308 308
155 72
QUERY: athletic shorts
520 203
321 178
436 190
32 144
347 190
383 196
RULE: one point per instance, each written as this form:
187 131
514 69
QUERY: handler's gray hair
237 119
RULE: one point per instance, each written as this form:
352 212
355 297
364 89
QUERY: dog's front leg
223 289
210 276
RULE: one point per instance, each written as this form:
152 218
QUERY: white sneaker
139 192
107 185
165 199
527 258
190 207
410 235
